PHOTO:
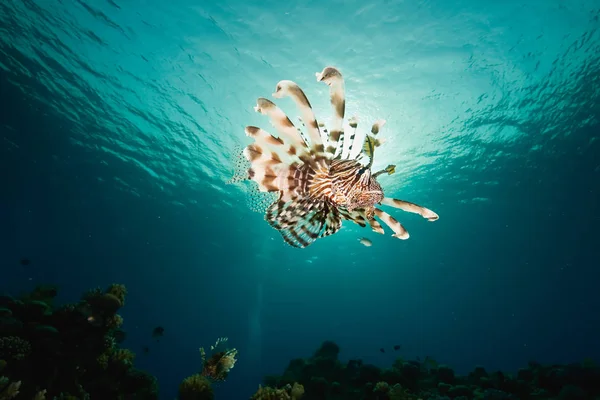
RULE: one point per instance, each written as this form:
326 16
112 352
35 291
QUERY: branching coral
8 390
195 387
14 348
69 350
397 392
119 291
114 321
121 358
288 392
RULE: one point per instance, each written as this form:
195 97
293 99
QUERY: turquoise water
120 125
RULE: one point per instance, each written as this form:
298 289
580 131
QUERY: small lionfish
317 187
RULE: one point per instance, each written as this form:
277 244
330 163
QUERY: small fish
158 332
382 350
397 347
95 320
365 242
25 261
146 349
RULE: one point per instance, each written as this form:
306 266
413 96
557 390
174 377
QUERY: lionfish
317 184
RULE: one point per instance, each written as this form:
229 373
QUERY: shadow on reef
326 378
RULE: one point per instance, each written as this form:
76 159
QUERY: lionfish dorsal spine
289 88
353 122
284 126
334 79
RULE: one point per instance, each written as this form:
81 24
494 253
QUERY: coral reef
67 352
325 377
215 368
288 392
196 387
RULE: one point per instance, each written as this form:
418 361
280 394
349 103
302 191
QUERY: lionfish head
366 196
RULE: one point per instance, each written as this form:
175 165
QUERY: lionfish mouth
317 183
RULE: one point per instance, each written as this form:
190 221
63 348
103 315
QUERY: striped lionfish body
318 187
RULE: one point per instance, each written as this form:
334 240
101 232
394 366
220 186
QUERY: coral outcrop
325 377
196 387
69 351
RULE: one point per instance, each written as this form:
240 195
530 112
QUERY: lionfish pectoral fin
399 231
411 207
333 222
269 167
354 216
376 226
299 221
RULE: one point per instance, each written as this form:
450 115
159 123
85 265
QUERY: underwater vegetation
69 351
324 377
72 352
319 184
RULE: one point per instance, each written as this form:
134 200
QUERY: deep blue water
119 124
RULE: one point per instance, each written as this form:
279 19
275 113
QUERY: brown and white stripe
333 77
410 207
288 88
353 122
287 131
399 231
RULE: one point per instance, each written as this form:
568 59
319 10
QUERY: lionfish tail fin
360 218
301 221
411 207
334 79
